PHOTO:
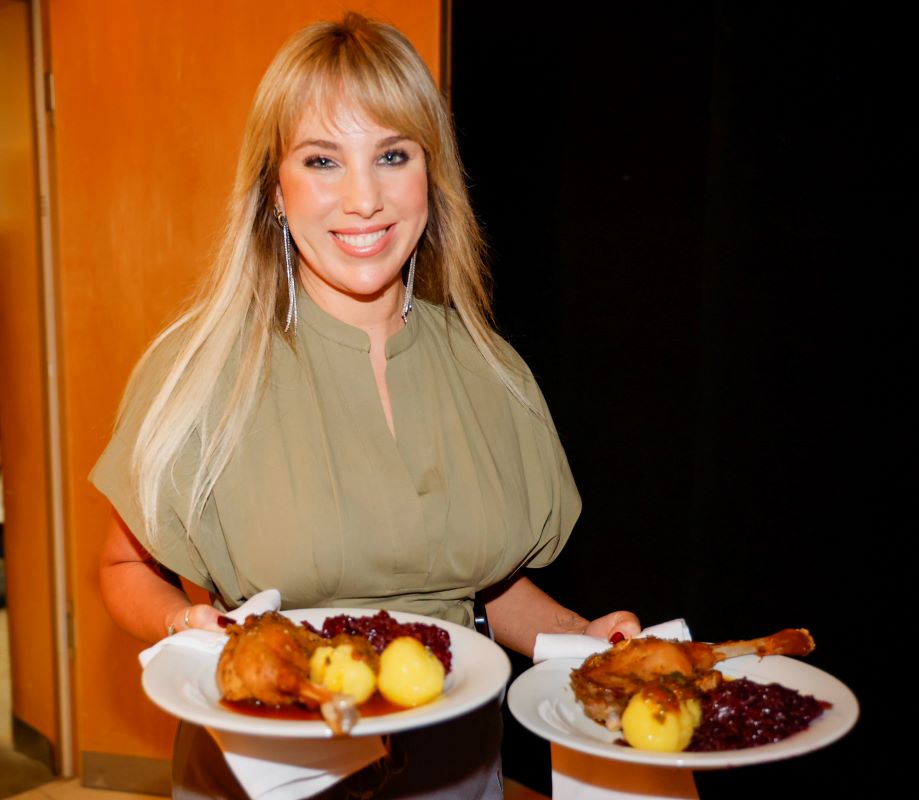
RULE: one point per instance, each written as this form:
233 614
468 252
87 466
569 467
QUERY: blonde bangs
378 77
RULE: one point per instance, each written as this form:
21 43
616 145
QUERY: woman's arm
137 595
518 610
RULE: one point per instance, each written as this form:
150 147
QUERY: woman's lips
363 242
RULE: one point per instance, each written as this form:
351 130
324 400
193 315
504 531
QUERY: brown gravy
376 706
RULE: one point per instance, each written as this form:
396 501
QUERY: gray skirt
456 760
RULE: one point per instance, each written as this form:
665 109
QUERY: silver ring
185 618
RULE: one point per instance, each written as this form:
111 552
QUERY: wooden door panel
150 104
27 529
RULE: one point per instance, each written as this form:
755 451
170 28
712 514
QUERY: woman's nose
362 194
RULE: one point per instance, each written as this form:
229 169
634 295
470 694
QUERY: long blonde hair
243 303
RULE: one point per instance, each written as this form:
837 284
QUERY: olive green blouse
321 501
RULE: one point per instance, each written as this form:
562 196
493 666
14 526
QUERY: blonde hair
365 65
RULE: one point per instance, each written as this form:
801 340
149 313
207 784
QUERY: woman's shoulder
448 326
163 366
447 329
153 366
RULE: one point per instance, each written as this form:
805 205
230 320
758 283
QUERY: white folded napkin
276 768
271 768
211 641
575 645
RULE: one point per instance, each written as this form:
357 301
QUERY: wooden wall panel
151 101
22 392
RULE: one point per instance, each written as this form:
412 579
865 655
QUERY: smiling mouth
362 239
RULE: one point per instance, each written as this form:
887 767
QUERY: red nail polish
224 620
616 637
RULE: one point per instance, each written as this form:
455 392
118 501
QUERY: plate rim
181 670
841 718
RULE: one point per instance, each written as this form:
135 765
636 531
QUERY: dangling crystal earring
409 287
288 263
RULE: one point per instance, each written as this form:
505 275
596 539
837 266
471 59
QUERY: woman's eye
394 157
319 162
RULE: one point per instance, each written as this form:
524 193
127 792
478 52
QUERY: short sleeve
554 501
112 476
562 497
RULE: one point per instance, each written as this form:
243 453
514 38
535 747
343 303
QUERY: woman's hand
624 622
518 611
203 617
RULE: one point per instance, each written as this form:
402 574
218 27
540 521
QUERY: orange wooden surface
151 101
22 405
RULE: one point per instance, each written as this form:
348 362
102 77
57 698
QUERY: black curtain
700 218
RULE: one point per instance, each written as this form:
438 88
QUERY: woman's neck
379 316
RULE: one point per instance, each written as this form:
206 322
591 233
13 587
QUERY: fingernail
616 637
224 620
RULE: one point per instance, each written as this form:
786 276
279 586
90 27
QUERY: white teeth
362 239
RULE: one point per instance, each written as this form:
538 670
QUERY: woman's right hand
201 616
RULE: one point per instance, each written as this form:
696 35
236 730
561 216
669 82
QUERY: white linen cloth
268 767
272 768
575 645
209 641
580 776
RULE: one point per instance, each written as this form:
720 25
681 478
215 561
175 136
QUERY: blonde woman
334 416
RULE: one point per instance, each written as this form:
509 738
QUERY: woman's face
356 199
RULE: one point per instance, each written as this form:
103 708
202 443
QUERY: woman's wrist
569 622
178 620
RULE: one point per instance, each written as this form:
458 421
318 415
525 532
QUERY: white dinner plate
542 700
182 682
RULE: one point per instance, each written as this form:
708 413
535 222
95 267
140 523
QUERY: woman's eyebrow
391 140
325 144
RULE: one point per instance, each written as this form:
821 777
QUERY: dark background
701 222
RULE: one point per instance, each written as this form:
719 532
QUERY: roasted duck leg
605 682
268 659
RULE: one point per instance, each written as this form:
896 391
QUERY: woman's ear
279 200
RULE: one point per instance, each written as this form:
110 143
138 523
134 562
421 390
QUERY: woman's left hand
518 611
624 622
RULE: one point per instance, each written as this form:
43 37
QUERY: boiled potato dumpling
646 725
319 663
339 671
410 674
